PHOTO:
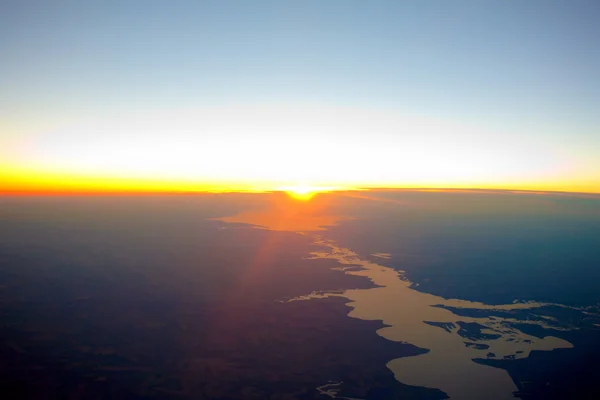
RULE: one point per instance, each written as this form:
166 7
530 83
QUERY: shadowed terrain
188 295
145 298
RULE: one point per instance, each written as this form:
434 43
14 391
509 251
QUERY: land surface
148 301
169 297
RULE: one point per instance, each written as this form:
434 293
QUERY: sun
301 192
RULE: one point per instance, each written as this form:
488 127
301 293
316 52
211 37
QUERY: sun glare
302 192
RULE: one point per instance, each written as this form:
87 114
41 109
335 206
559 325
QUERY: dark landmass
478 346
482 313
280 351
563 317
447 326
150 301
557 374
497 248
491 247
472 331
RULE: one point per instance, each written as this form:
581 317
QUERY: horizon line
133 192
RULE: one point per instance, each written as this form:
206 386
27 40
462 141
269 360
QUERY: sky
198 95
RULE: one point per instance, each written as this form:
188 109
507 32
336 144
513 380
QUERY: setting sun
305 192
301 192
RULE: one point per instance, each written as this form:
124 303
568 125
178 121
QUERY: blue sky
526 67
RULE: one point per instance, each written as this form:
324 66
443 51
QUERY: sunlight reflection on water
448 365
415 317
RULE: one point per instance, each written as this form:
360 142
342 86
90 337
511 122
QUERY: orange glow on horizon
285 213
248 148
22 181
264 147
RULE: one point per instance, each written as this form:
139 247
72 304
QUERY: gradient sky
260 94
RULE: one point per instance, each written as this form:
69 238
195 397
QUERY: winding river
448 365
415 317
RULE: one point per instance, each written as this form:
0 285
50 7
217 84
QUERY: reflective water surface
454 342
449 364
